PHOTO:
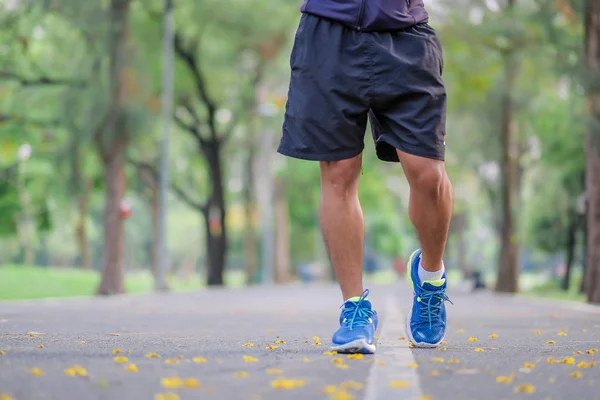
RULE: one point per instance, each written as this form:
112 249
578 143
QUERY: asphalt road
220 337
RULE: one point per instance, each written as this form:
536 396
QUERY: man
353 58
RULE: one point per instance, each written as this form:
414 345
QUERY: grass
551 289
28 282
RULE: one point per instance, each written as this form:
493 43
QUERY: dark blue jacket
370 15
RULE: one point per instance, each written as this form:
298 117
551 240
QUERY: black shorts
339 76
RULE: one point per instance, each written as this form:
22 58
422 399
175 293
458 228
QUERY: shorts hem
333 156
409 149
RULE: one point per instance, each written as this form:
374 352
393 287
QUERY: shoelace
431 307
356 314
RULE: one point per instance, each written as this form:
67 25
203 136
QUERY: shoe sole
357 346
422 345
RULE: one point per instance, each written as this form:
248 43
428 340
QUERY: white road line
391 360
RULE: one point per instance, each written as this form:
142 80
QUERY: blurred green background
80 144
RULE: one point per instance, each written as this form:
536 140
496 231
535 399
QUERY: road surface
213 345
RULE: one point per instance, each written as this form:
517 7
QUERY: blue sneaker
358 323
426 321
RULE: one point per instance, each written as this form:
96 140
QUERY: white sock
425 275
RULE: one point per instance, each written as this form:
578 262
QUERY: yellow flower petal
83 342
181 356
504 379
40 346
437 360
121 359
412 365
250 359
152 355
401 338
191 383
453 361
562 333
2 352
330 353
306 359
525 389
434 373
578 352
568 360
479 350
172 361
411 344
337 360
584 330
172 383
342 366
399 384
241 374
274 371
442 348
131 368
472 339
329 389
341 395
493 336
166 396
116 351
280 341
4 396
77 370
576 374
272 347
351 385
592 351
583 364
538 332
282 383
356 356
249 344
36 372
444 342
199 360
550 342
460 331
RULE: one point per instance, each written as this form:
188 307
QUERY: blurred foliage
53 96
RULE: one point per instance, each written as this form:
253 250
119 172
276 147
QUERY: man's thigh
326 114
408 111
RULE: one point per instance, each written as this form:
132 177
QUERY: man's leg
430 206
342 222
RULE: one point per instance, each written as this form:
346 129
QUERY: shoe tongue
354 300
433 285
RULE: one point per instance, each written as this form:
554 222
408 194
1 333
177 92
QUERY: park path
220 337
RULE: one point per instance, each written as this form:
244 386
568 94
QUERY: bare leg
430 206
342 222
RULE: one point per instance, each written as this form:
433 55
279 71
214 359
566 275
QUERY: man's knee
430 179
341 177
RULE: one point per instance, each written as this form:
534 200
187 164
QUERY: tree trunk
81 229
508 268
111 140
592 56
214 213
113 255
83 189
154 244
571 242
250 254
282 235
